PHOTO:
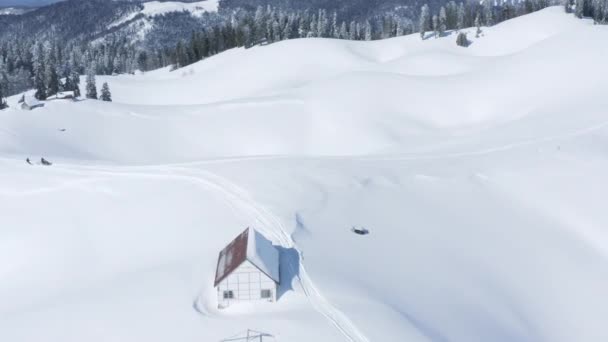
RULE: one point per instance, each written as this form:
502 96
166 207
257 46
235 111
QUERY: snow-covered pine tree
3 104
75 80
105 92
399 31
39 72
51 76
477 25
425 20
461 15
343 34
335 29
451 10
259 24
368 30
3 84
90 84
2 94
352 31
579 10
488 7
443 18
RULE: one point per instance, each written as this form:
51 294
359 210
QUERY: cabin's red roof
231 257
249 245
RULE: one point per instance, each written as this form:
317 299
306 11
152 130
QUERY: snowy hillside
479 171
14 10
152 8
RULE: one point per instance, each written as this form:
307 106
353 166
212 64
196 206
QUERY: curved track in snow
271 225
266 222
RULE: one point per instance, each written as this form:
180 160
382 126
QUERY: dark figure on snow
27 160
45 162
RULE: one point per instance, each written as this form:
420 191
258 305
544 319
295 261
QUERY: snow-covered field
480 172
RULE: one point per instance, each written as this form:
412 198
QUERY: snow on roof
263 254
249 245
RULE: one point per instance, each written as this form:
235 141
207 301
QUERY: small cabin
30 103
247 270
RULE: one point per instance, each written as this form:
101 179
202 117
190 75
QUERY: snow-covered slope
480 173
153 8
14 10
156 7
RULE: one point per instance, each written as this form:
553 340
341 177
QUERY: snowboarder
27 160
45 162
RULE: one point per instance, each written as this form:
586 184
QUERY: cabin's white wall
247 283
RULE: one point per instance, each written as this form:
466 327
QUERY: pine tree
4 83
368 30
39 72
105 92
452 15
488 7
259 24
2 100
334 26
461 14
580 8
142 61
90 84
443 18
53 81
343 34
51 76
399 31
478 26
352 31
75 81
425 20
3 104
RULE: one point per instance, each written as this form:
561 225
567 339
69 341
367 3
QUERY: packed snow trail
271 225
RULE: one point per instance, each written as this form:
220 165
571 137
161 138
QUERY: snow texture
481 173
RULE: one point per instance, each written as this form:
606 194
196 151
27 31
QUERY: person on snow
27 160
45 162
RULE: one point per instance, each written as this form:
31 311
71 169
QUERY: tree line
178 39
269 24
596 9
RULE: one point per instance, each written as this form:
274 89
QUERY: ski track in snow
269 224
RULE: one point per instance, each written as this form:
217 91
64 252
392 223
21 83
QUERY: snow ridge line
336 317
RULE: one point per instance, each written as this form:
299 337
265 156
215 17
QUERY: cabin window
228 295
266 294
